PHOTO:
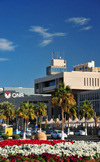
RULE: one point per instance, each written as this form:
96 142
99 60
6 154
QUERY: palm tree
63 98
18 113
8 110
27 112
71 111
41 111
86 111
3 117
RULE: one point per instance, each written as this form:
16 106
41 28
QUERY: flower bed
50 151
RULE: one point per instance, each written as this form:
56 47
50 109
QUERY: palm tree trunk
85 127
40 123
26 124
17 122
24 134
17 125
68 125
62 136
8 120
22 123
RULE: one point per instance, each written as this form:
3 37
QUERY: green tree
41 111
8 110
18 113
65 99
71 111
27 112
86 111
3 117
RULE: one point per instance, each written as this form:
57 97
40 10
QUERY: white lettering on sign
13 95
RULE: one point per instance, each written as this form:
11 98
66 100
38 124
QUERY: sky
30 30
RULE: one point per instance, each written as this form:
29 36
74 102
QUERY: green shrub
5 136
16 136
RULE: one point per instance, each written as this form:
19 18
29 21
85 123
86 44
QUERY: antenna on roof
57 54
63 55
52 54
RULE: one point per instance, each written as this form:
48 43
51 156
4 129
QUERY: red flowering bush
45 157
20 142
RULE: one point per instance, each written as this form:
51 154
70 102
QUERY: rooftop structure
89 66
57 66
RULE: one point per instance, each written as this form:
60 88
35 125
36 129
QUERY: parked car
80 132
28 133
99 133
70 132
57 134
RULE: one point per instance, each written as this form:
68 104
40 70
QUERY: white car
57 134
80 132
28 133
70 132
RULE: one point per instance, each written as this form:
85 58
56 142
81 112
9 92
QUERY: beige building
78 80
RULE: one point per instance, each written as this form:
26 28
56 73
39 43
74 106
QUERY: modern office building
91 96
85 79
18 95
77 80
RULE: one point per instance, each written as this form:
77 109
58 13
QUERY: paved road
80 138
75 138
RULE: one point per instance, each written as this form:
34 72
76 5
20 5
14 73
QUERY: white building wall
82 80
58 62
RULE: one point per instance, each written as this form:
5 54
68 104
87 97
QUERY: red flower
20 142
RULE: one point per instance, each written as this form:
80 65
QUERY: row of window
92 96
58 69
91 82
35 102
81 68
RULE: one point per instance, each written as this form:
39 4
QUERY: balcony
50 88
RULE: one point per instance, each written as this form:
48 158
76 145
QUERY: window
90 81
95 81
52 83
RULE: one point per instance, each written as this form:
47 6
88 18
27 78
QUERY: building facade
16 96
77 80
88 66
91 96
85 79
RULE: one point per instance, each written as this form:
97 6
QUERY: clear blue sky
31 29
